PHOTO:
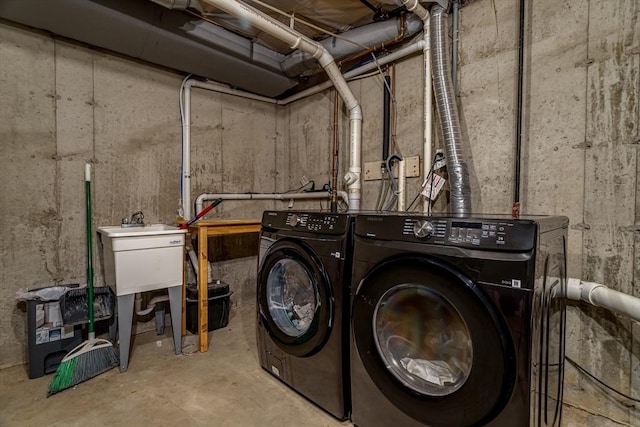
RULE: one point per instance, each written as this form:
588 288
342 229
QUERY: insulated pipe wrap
448 111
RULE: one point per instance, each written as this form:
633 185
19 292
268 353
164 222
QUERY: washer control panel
485 233
316 222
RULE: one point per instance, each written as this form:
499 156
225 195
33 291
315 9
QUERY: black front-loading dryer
457 321
303 302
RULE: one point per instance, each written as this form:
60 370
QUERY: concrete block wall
65 104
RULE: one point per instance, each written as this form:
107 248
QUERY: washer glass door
432 342
423 339
292 297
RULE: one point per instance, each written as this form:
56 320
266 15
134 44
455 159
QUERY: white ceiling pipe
370 66
265 196
229 91
352 42
392 57
317 51
402 184
602 296
427 125
186 134
415 7
427 120
186 153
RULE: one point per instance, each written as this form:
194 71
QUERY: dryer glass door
423 339
295 300
291 296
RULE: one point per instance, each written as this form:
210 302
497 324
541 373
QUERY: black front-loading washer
458 321
302 304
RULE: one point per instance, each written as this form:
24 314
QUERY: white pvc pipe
602 296
402 181
298 41
224 89
420 45
151 305
415 7
265 196
186 152
399 54
427 127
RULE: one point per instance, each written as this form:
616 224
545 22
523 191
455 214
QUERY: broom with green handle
95 356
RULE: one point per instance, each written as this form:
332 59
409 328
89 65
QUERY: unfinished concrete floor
222 387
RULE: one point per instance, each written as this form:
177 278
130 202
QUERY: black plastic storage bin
218 297
48 339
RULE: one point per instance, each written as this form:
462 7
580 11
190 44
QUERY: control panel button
293 220
423 229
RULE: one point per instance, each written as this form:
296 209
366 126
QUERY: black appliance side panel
549 329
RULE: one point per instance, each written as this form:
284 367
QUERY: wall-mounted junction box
373 170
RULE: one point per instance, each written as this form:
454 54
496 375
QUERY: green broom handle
87 191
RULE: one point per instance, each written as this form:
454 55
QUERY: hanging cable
515 210
599 381
392 181
424 185
370 6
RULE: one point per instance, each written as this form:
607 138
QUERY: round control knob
293 220
423 229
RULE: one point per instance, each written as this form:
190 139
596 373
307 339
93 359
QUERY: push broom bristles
86 361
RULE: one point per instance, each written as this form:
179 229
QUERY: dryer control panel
480 233
313 222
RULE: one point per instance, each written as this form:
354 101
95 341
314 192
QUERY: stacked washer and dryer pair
407 320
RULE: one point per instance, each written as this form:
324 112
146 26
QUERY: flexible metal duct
448 111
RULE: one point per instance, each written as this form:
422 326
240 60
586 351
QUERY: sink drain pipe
602 296
318 52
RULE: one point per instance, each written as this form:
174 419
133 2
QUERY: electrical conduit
317 51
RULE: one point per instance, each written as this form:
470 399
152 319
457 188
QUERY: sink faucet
136 220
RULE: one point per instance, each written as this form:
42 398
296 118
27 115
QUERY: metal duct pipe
448 111
298 62
317 51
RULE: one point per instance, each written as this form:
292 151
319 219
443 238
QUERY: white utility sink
147 230
140 259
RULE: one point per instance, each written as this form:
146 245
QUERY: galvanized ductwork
298 62
448 112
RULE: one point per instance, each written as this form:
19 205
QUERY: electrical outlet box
373 170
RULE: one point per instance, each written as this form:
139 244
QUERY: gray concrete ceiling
203 41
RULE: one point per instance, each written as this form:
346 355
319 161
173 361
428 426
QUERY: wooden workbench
203 230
